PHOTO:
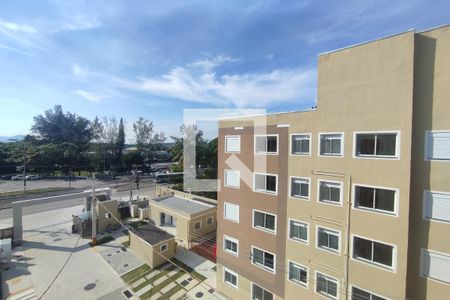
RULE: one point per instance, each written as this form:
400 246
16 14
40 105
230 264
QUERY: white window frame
225 178
265 152
367 291
262 266
422 252
329 231
274 232
198 222
253 284
161 247
232 273
225 211
330 278
341 192
392 269
302 284
395 213
424 209
236 241
291 144
341 154
265 191
388 157
309 187
298 240
426 154
212 221
226 143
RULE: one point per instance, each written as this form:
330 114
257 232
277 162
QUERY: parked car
17 177
6 177
32 177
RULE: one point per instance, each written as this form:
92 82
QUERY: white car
32 177
17 177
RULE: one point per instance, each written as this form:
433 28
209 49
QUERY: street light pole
24 168
93 214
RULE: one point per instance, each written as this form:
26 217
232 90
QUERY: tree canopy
57 127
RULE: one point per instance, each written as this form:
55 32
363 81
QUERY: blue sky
155 58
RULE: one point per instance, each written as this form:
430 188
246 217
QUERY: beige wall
242 292
185 225
151 255
431 112
104 207
363 88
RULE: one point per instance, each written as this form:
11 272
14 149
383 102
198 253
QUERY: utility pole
70 178
94 214
24 167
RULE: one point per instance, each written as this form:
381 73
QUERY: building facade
349 200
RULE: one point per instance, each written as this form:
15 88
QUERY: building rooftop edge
366 42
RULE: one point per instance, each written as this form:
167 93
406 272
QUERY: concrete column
17 225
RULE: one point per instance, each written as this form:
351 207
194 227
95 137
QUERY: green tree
57 127
120 142
147 141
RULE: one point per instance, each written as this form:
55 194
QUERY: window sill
374 264
379 212
273 232
272 271
334 203
265 192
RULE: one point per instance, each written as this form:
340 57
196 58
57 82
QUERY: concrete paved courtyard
48 244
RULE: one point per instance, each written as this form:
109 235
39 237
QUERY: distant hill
6 139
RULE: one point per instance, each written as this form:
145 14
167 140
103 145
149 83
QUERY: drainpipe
348 177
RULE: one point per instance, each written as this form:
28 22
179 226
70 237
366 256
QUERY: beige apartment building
349 200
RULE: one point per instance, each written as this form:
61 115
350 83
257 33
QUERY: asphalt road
7 213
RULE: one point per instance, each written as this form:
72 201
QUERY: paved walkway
204 267
118 257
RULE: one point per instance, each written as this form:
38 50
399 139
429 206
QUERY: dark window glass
299 188
270 222
268 260
258 257
230 278
362 248
298 232
258 293
365 144
258 219
364 196
382 254
271 144
329 192
297 273
358 294
271 183
386 144
300 144
385 199
326 286
231 246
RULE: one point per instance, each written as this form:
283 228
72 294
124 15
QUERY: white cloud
5 47
92 96
238 90
15 27
79 71
211 63
78 23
